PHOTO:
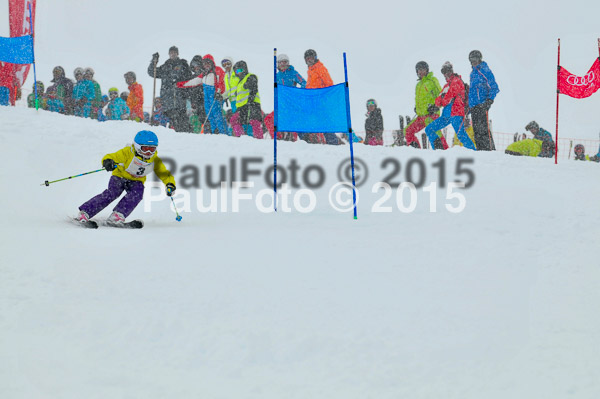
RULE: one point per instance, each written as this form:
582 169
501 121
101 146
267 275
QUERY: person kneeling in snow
543 135
528 147
129 167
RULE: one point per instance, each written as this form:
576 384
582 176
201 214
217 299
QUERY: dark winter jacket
251 110
192 89
171 72
62 90
483 85
547 143
374 125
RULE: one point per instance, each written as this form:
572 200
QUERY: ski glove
170 189
155 58
433 109
488 103
109 165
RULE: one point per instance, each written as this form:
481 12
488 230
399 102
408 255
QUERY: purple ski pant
116 186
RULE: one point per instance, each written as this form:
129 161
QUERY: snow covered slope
497 301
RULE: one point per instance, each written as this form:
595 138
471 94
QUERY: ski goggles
225 63
239 70
148 148
370 103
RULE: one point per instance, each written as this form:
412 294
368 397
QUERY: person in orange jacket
135 100
318 78
318 75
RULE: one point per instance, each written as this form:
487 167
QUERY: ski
90 224
134 224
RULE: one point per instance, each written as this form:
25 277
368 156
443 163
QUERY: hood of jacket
212 63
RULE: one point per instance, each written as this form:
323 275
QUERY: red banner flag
579 86
14 75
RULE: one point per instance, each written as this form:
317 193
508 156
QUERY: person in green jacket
40 95
426 91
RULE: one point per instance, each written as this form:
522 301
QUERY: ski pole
178 218
209 111
47 183
570 146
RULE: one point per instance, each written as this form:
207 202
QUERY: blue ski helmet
145 143
146 137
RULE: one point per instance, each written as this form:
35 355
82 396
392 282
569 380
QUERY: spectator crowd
203 97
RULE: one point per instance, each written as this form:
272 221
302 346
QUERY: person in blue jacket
117 109
482 93
100 112
83 94
286 74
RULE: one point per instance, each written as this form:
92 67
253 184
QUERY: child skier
129 167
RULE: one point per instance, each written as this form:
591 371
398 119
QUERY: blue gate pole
275 130
33 51
350 138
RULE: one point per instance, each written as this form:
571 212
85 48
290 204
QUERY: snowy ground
497 301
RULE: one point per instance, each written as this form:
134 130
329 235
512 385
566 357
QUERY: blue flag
312 110
16 50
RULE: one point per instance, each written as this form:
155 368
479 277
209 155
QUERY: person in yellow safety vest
231 82
247 102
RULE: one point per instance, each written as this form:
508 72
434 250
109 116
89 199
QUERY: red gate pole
557 97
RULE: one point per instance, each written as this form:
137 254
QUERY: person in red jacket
453 99
213 83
